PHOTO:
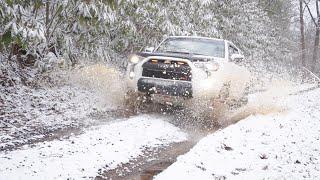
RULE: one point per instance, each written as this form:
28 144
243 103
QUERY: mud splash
229 74
214 102
214 94
106 81
273 100
211 106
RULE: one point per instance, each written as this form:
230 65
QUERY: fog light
135 58
154 61
131 75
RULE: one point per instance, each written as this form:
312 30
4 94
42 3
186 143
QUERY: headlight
212 66
131 75
135 58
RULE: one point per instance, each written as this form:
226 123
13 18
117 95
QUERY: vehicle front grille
167 69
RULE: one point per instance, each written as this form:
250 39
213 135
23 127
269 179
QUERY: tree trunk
316 41
302 38
47 19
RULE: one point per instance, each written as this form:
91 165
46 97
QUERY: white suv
183 67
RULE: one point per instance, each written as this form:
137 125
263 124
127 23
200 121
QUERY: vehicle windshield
207 47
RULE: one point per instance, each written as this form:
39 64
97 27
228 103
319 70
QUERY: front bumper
165 87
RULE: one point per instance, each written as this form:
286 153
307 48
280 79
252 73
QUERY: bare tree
316 22
316 41
302 37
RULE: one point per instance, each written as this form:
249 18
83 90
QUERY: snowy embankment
31 114
282 145
94 151
67 102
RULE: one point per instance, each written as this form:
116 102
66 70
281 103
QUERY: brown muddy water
152 162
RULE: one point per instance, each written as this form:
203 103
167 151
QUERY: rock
228 148
297 162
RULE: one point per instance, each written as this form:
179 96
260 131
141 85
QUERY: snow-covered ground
70 102
280 139
30 114
98 149
283 145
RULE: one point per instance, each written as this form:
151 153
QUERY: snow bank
96 150
282 145
30 114
60 101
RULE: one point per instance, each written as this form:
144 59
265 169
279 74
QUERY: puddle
151 163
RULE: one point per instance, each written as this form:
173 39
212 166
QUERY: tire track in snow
96 150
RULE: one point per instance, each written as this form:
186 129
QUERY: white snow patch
29 113
282 145
102 147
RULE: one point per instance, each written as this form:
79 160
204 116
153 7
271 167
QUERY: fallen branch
310 88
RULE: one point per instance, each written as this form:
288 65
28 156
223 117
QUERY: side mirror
149 49
237 58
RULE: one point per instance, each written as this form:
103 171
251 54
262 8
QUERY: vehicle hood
190 57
